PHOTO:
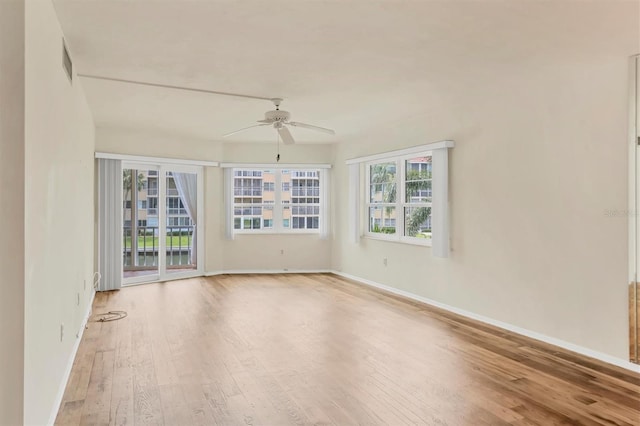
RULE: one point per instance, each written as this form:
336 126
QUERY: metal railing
257 192
178 247
305 192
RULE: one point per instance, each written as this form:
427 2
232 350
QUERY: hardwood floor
319 349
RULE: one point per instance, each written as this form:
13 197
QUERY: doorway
162 217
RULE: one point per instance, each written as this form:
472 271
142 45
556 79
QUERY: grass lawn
151 241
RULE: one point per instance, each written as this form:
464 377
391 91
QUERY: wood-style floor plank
291 349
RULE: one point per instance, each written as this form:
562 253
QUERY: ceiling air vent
66 62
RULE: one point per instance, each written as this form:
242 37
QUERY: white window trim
277 205
286 166
416 150
439 200
142 159
399 205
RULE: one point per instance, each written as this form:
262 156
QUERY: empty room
345 212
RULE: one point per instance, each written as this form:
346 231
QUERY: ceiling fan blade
285 134
309 126
244 128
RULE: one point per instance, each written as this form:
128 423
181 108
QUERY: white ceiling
355 66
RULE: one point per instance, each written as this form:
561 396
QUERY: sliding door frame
162 168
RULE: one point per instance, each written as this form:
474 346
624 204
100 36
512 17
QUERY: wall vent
66 62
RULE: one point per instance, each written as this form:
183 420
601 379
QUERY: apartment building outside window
276 200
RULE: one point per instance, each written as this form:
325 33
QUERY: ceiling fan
279 120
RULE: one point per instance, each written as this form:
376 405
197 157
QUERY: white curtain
187 186
354 203
440 203
110 224
228 202
325 214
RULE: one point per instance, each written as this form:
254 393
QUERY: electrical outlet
78 299
84 285
61 331
282 251
384 261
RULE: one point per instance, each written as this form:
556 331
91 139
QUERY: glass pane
382 219
286 217
417 222
305 199
181 210
418 180
140 222
382 183
252 189
267 217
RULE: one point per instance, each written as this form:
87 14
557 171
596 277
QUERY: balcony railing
257 192
305 192
174 212
178 247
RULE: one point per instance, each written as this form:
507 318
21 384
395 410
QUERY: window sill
300 232
424 242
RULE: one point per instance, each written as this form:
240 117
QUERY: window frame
278 205
400 203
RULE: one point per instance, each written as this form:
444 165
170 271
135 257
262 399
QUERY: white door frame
162 169
634 199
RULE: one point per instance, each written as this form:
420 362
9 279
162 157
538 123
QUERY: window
269 186
152 206
276 200
399 198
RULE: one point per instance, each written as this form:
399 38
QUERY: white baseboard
72 357
518 330
269 271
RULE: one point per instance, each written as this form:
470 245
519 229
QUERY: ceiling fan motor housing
277 116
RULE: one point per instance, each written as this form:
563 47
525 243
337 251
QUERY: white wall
59 146
302 252
540 155
11 211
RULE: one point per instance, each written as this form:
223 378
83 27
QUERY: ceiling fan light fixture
279 119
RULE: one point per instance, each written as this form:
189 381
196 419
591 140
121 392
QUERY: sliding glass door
161 211
140 234
182 222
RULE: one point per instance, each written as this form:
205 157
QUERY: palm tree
416 181
126 182
384 175
419 215
126 185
